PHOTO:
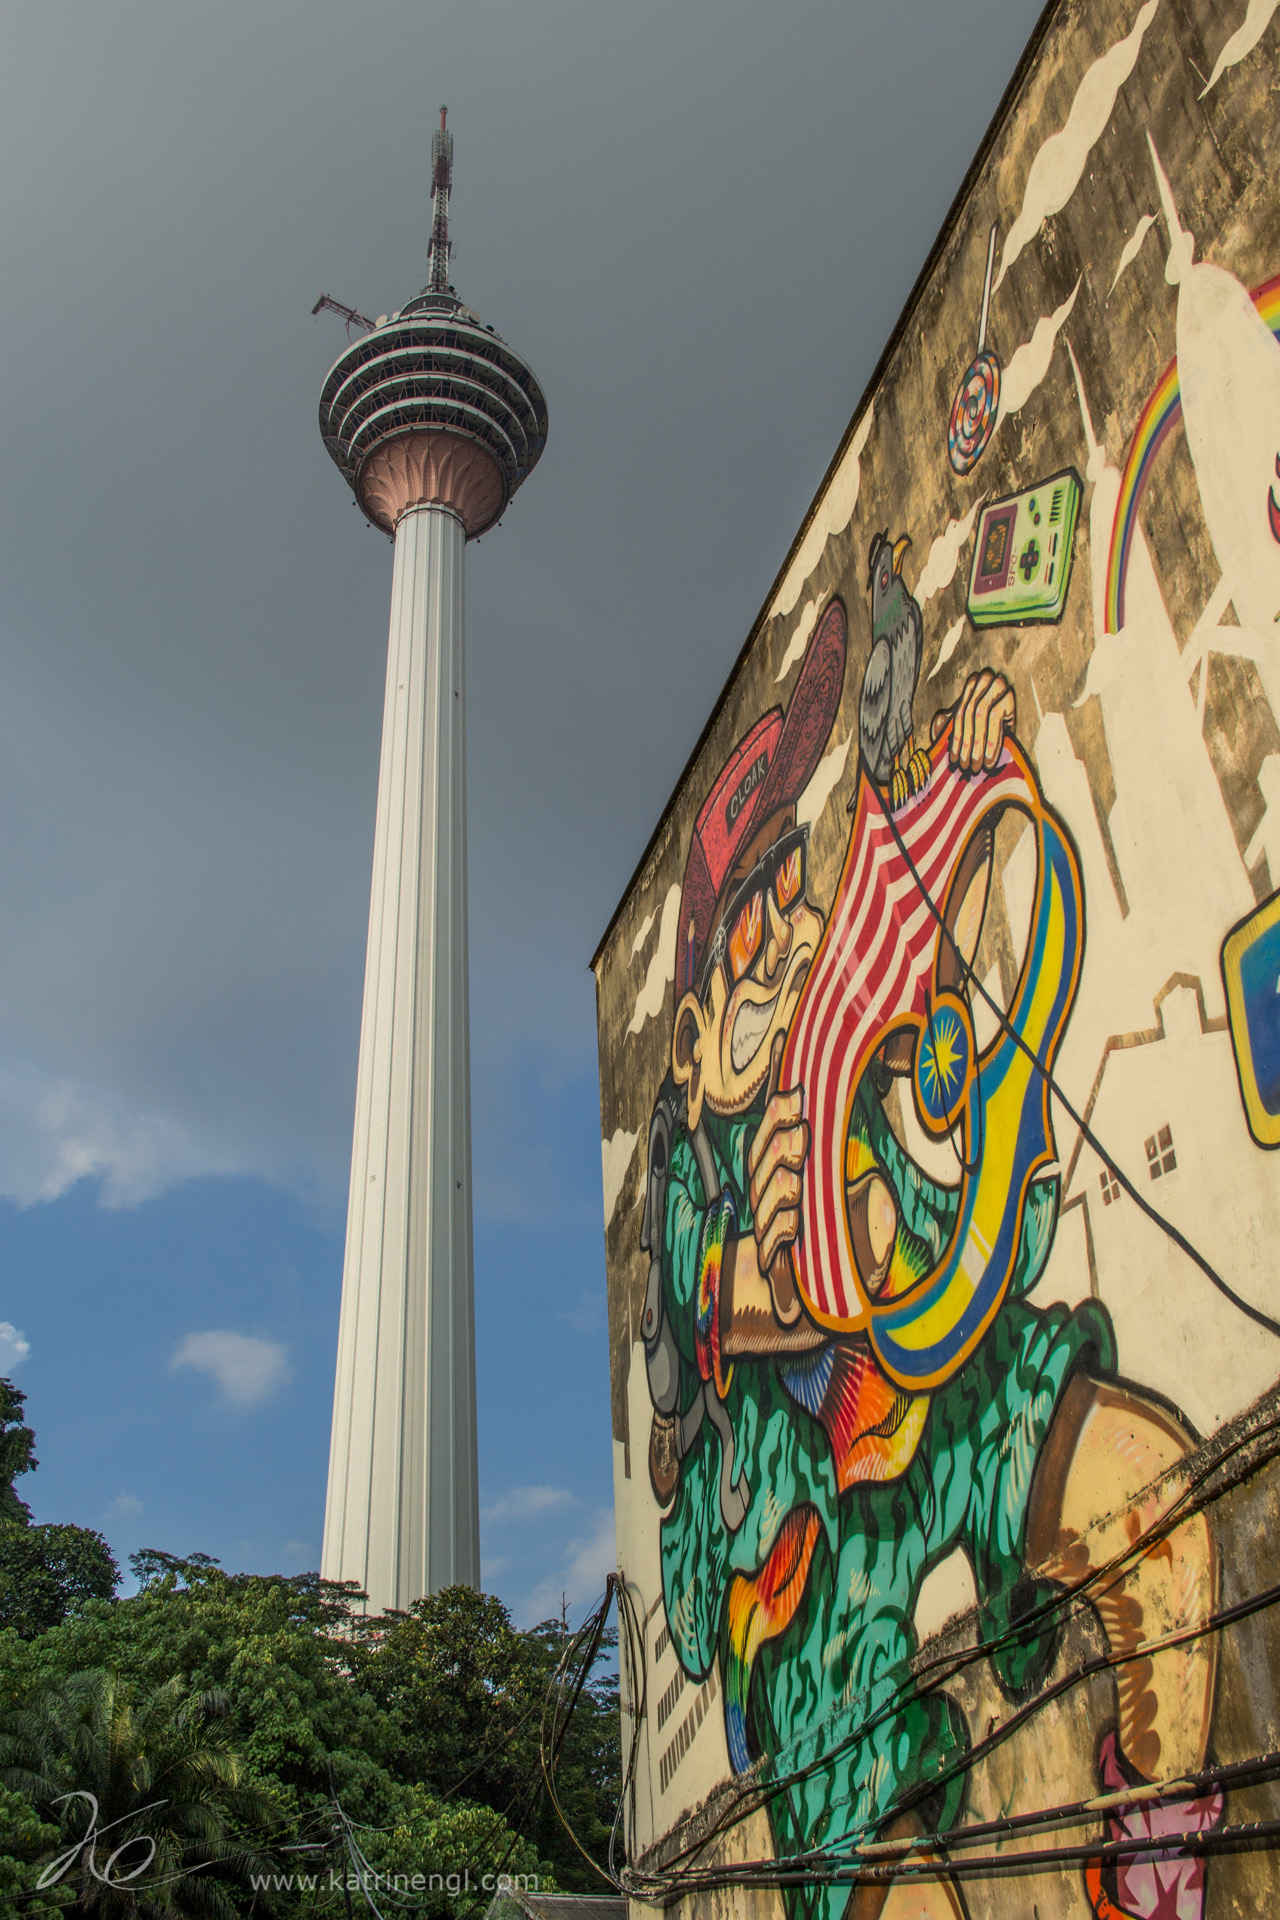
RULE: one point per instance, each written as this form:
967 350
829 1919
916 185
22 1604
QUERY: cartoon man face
758 959
748 934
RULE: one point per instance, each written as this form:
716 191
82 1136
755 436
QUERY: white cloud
54 1132
1055 172
589 1560
615 1155
526 1503
14 1346
244 1368
125 1506
298 1553
662 967
588 1315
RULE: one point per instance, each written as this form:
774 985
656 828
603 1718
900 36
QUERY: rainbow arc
1161 414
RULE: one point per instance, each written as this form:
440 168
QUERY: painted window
1160 1155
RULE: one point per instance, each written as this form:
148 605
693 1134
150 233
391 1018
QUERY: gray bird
885 724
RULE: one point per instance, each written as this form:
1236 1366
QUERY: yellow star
943 1058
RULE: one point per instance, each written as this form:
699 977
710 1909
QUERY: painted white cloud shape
243 1368
616 1156
1245 38
662 967
939 569
799 639
822 784
1129 252
1056 170
835 511
950 641
14 1346
646 927
1030 363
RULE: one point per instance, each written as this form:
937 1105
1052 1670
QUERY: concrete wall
941 1203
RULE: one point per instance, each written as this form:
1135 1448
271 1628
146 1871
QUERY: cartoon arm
760 1310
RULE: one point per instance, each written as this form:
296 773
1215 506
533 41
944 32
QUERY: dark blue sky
698 225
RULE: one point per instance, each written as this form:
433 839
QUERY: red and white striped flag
873 971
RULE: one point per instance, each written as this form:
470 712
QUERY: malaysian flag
883 964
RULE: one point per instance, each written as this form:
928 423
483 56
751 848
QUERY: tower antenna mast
439 249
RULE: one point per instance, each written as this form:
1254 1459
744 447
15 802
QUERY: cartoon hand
984 713
775 1163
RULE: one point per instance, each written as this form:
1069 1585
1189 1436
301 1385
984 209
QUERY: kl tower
433 422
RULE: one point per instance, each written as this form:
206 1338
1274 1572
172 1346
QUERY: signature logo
111 1872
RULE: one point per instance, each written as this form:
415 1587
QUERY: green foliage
468 1692
147 1789
25 1842
425 1725
17 1451
270 1647
410 1743
46 1572
447 1856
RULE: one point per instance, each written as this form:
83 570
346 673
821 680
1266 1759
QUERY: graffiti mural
940 1058
853 1333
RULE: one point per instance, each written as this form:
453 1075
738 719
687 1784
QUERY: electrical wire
1264 1767
591 1630
1238 1774
946 1667
781 1872
536 1781
804 1868
636 1664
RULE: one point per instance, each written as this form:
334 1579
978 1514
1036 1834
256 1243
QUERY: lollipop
977 401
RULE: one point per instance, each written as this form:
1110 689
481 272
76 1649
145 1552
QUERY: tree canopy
406 1747
17 1452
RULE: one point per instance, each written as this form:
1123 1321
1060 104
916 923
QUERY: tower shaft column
433 422
402 1511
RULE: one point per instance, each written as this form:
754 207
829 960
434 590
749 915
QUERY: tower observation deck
434 422
433 406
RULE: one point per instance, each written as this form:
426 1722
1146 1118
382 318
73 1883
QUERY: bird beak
899 548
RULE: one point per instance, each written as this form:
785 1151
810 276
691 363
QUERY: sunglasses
740 934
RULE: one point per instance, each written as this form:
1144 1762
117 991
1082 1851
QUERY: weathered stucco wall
940 1071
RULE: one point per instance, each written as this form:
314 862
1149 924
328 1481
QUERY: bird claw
918 770
900 791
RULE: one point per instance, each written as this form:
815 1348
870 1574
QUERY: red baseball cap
767 770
